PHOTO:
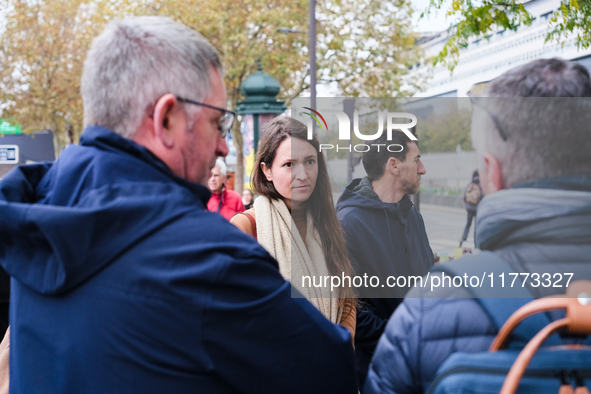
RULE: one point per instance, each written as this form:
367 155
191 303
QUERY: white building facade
485 59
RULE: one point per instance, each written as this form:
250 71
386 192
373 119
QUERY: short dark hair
542 78
538 107
375 159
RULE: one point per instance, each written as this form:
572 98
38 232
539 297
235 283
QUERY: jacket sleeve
423 332
263 337
369 326
394 365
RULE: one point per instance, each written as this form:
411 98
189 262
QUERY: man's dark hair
375 159
542 78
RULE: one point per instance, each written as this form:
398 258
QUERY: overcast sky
435 22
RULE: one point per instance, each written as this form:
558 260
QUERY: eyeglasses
492 116
226 120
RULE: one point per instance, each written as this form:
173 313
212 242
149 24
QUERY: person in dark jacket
385 235
122 281
472 196
536 216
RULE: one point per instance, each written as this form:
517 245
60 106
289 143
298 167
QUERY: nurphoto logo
392 122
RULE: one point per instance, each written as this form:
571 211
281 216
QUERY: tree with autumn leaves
42 50
366 46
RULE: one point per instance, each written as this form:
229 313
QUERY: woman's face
294 170
246 196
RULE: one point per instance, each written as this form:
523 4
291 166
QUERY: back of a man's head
137 60
544 112
542 78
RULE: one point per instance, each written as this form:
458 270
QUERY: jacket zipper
540 373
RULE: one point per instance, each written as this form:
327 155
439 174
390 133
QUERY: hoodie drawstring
389 232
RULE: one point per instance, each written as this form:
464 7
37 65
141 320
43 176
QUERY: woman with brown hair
295 220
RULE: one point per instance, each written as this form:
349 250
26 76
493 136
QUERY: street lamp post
312 47
312 40
259 91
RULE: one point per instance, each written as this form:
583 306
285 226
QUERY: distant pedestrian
472 196
224 201
247 198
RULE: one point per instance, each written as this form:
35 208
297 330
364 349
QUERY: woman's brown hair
320 204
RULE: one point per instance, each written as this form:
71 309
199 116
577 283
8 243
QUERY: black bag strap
498 302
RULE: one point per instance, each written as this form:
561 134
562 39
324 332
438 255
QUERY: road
445 226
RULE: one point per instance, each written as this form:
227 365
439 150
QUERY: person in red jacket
223 201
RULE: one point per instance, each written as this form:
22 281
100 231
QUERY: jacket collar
565 182
107 140
365 189
520 210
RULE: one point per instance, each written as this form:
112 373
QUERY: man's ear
392 165
492 181
165 110
267 172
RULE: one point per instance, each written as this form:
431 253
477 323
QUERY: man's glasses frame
226 120
492 116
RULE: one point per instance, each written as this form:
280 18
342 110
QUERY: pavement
445 226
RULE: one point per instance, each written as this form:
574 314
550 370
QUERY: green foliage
443 132
41 54
367 46
480 19
572 18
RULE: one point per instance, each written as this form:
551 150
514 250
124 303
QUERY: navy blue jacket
383 239
122 282
536 227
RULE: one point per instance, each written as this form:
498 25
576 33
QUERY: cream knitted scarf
277 232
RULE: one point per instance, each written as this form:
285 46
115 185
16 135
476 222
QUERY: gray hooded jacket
542 226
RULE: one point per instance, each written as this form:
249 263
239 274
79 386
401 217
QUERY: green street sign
7 128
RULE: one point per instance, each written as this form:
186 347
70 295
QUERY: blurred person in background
247 198
224 201
472 196
294 217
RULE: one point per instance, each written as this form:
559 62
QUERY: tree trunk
239 175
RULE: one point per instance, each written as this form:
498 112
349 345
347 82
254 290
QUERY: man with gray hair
531 135
224 201
122 281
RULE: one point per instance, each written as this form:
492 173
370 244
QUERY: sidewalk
445 226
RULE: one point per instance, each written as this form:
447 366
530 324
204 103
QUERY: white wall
484 60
